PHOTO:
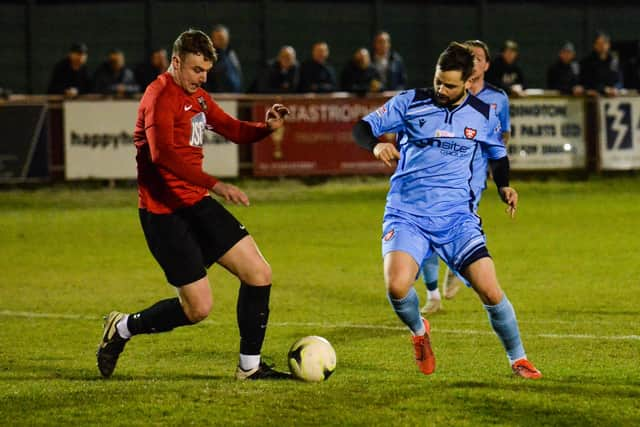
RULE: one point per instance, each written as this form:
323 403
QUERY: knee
398 285
491 296
199 311
257 275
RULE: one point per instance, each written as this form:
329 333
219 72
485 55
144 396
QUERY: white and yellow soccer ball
312 359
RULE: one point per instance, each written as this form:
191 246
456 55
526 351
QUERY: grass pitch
569 262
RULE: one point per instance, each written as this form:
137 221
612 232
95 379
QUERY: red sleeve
159 131
233 129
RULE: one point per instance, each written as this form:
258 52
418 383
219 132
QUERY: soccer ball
312 359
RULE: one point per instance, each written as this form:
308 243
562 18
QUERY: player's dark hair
482 45
196 42
457 57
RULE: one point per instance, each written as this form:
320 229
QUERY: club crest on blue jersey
470 133
389 235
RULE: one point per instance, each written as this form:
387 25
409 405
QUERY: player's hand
386 152
230 193
510 197
275 116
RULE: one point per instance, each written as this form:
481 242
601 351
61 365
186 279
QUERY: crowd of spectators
368 70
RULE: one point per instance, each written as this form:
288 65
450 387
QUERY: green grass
570 264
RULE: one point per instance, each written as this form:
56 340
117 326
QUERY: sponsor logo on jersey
380 111
188 107
203 103
198 125
470 133
421 122
447 148
389 235
444 133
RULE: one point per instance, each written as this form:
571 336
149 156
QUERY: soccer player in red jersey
187 230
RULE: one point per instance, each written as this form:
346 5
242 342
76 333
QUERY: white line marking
346 325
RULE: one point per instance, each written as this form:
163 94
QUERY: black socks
163 316
253 315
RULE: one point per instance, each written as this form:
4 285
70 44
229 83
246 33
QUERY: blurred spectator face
382 44
220 39
566 56
116 61
601 45
159 60
287 58
320 52
510 55
480 64
77 59
362 58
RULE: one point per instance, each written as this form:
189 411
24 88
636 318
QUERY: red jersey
169 136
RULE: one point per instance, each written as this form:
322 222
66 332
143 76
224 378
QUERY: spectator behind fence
316 75
600 71
148 71
389 64
114 78
505 72
359 75
564 74
70 76
226 75
281 74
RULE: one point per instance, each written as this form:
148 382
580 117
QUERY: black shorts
188 241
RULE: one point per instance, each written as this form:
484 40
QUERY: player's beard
445 101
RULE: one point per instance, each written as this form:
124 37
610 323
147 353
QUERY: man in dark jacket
226 75
281 74
359 75
316 75
114 78
70 76
564 74
505 72
150 70
600 71
389 63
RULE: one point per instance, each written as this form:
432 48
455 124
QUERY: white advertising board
99 141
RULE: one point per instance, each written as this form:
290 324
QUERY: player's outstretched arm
230 193
384 151
500 171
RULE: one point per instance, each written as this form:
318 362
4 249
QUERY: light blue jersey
499 102
437 147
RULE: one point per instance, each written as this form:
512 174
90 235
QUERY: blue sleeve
492 144
503 114
390 117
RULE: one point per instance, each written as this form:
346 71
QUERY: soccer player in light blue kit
430 204
499 101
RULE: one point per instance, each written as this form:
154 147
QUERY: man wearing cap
564 75
70 76
600 71
505 72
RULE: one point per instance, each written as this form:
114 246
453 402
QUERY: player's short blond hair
196 42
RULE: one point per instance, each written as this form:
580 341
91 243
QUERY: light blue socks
503 321
408 311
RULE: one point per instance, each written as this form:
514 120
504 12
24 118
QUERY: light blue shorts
457 238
